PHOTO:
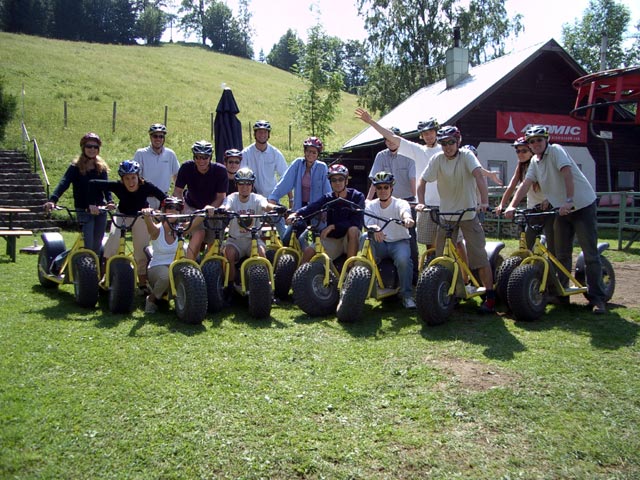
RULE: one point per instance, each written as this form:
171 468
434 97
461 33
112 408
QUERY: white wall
505 152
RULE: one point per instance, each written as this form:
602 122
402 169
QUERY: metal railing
618 211
37 157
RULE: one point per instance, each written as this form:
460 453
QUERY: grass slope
143 80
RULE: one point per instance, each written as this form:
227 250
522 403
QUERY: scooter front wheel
433 302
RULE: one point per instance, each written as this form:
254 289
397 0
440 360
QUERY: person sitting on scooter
344 224
394 241
244 201
200 183
164 244
132 191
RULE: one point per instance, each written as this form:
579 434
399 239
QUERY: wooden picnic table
9 232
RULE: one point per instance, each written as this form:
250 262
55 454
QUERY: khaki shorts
335 246
474 241
242 245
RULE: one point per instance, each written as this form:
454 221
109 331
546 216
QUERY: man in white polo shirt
158 164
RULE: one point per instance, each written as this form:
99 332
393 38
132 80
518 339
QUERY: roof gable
448 105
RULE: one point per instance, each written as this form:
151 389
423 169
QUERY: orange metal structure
606 97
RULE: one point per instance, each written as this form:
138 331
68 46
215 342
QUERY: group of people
452 179
441 173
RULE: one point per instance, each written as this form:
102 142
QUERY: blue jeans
93 229
583 224
400 253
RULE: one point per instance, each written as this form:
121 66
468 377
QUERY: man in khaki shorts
244 201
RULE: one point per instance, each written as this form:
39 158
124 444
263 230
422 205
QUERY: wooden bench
10 236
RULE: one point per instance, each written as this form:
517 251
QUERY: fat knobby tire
214 278
85 280
309 293
283 275
260 291
502 277
122 286
433 302
608 278
44 262
353 294
523 293
191 294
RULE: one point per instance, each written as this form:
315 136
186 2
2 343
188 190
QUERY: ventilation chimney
457 66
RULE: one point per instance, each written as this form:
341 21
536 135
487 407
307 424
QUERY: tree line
405 48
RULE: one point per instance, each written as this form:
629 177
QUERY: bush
8 106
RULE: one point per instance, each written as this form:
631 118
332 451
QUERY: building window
499 166
626 180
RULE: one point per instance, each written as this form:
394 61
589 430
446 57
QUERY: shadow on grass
66 306
608 332
466 324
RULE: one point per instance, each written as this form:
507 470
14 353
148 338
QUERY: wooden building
495 102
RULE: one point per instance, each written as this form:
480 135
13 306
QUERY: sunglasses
336 179
233 162
448 143
92 146
522 150
535 140
202 157
157 135
244 183
382 187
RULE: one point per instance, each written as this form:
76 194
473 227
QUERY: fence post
65 114
113 122
289 136
166 114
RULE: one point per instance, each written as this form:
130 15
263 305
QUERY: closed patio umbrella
227 128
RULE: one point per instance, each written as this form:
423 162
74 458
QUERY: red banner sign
562 128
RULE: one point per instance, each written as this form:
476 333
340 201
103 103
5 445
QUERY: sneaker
599 307
558 300
149 306
488 306
408 303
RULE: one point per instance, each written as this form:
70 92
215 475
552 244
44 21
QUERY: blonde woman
88 166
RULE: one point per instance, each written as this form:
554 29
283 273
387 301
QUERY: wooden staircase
20 187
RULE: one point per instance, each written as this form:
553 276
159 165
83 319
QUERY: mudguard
602 246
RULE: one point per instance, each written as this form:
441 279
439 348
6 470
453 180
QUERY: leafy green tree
409 40
583 39
8 107
24 16
151 25
68 19
317 106
193 17
284 54
354 64
244 26
222 30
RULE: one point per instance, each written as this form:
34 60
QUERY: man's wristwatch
569 200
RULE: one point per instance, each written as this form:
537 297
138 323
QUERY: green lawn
87 394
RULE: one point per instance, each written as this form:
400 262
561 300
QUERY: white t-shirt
255 205
421 154
546 172
158 169
456 183
264 165
398 208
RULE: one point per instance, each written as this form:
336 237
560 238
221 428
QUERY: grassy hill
143 80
